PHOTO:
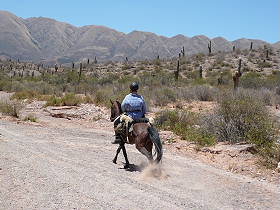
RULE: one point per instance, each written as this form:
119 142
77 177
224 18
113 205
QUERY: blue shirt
134 105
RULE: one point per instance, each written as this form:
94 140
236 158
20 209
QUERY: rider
133 105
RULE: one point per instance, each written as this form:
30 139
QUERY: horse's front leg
125 155
117 153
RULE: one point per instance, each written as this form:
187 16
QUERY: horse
144 136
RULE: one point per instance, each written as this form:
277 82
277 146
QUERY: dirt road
44 167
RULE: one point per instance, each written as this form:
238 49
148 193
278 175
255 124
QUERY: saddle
124 125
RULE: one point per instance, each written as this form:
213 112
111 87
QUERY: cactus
267 54
200 71
251 46
210 48
88 61
32 74
237 76
73 65
95 60
177 71
233 48
80 72
55 67
183 51
220 79
239 65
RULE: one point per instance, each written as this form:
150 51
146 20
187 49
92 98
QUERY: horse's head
115 110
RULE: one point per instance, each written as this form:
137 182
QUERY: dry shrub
11 108
163 96
31 118
69 99
184 124
199 93
241 117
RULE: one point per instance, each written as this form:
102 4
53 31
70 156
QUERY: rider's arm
124 104
144 109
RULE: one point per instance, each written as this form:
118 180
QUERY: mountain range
47 40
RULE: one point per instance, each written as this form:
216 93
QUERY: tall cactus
233 48
210 47
95 60
183 51
236 76
267 54
80 72
177 71
200 71
55 67
251 46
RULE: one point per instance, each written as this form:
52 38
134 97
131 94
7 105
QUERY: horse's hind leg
125 155
116 157
145 152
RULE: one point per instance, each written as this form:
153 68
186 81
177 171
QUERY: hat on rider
134 86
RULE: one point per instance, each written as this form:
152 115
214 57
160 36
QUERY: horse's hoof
126 166
114 161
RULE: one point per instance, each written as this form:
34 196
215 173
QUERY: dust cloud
153 171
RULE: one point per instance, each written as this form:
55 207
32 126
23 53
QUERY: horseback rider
133 105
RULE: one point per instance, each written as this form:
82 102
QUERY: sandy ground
66 163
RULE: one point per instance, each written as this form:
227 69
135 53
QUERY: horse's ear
111 102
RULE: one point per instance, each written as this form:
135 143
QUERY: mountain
44 39
276 45
15 38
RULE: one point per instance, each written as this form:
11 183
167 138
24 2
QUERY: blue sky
232 19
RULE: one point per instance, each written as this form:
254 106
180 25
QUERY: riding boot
117 140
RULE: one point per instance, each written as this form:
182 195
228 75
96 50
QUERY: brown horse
144 136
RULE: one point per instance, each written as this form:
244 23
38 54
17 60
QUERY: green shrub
26 94
163 96
102 97
10 108
54 101
183 123
240 117
30 118
69 99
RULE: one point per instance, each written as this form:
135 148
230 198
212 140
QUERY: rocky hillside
43 39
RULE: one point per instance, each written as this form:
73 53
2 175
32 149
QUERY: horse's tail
154 136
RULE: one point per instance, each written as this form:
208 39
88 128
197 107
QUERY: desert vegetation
242 84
